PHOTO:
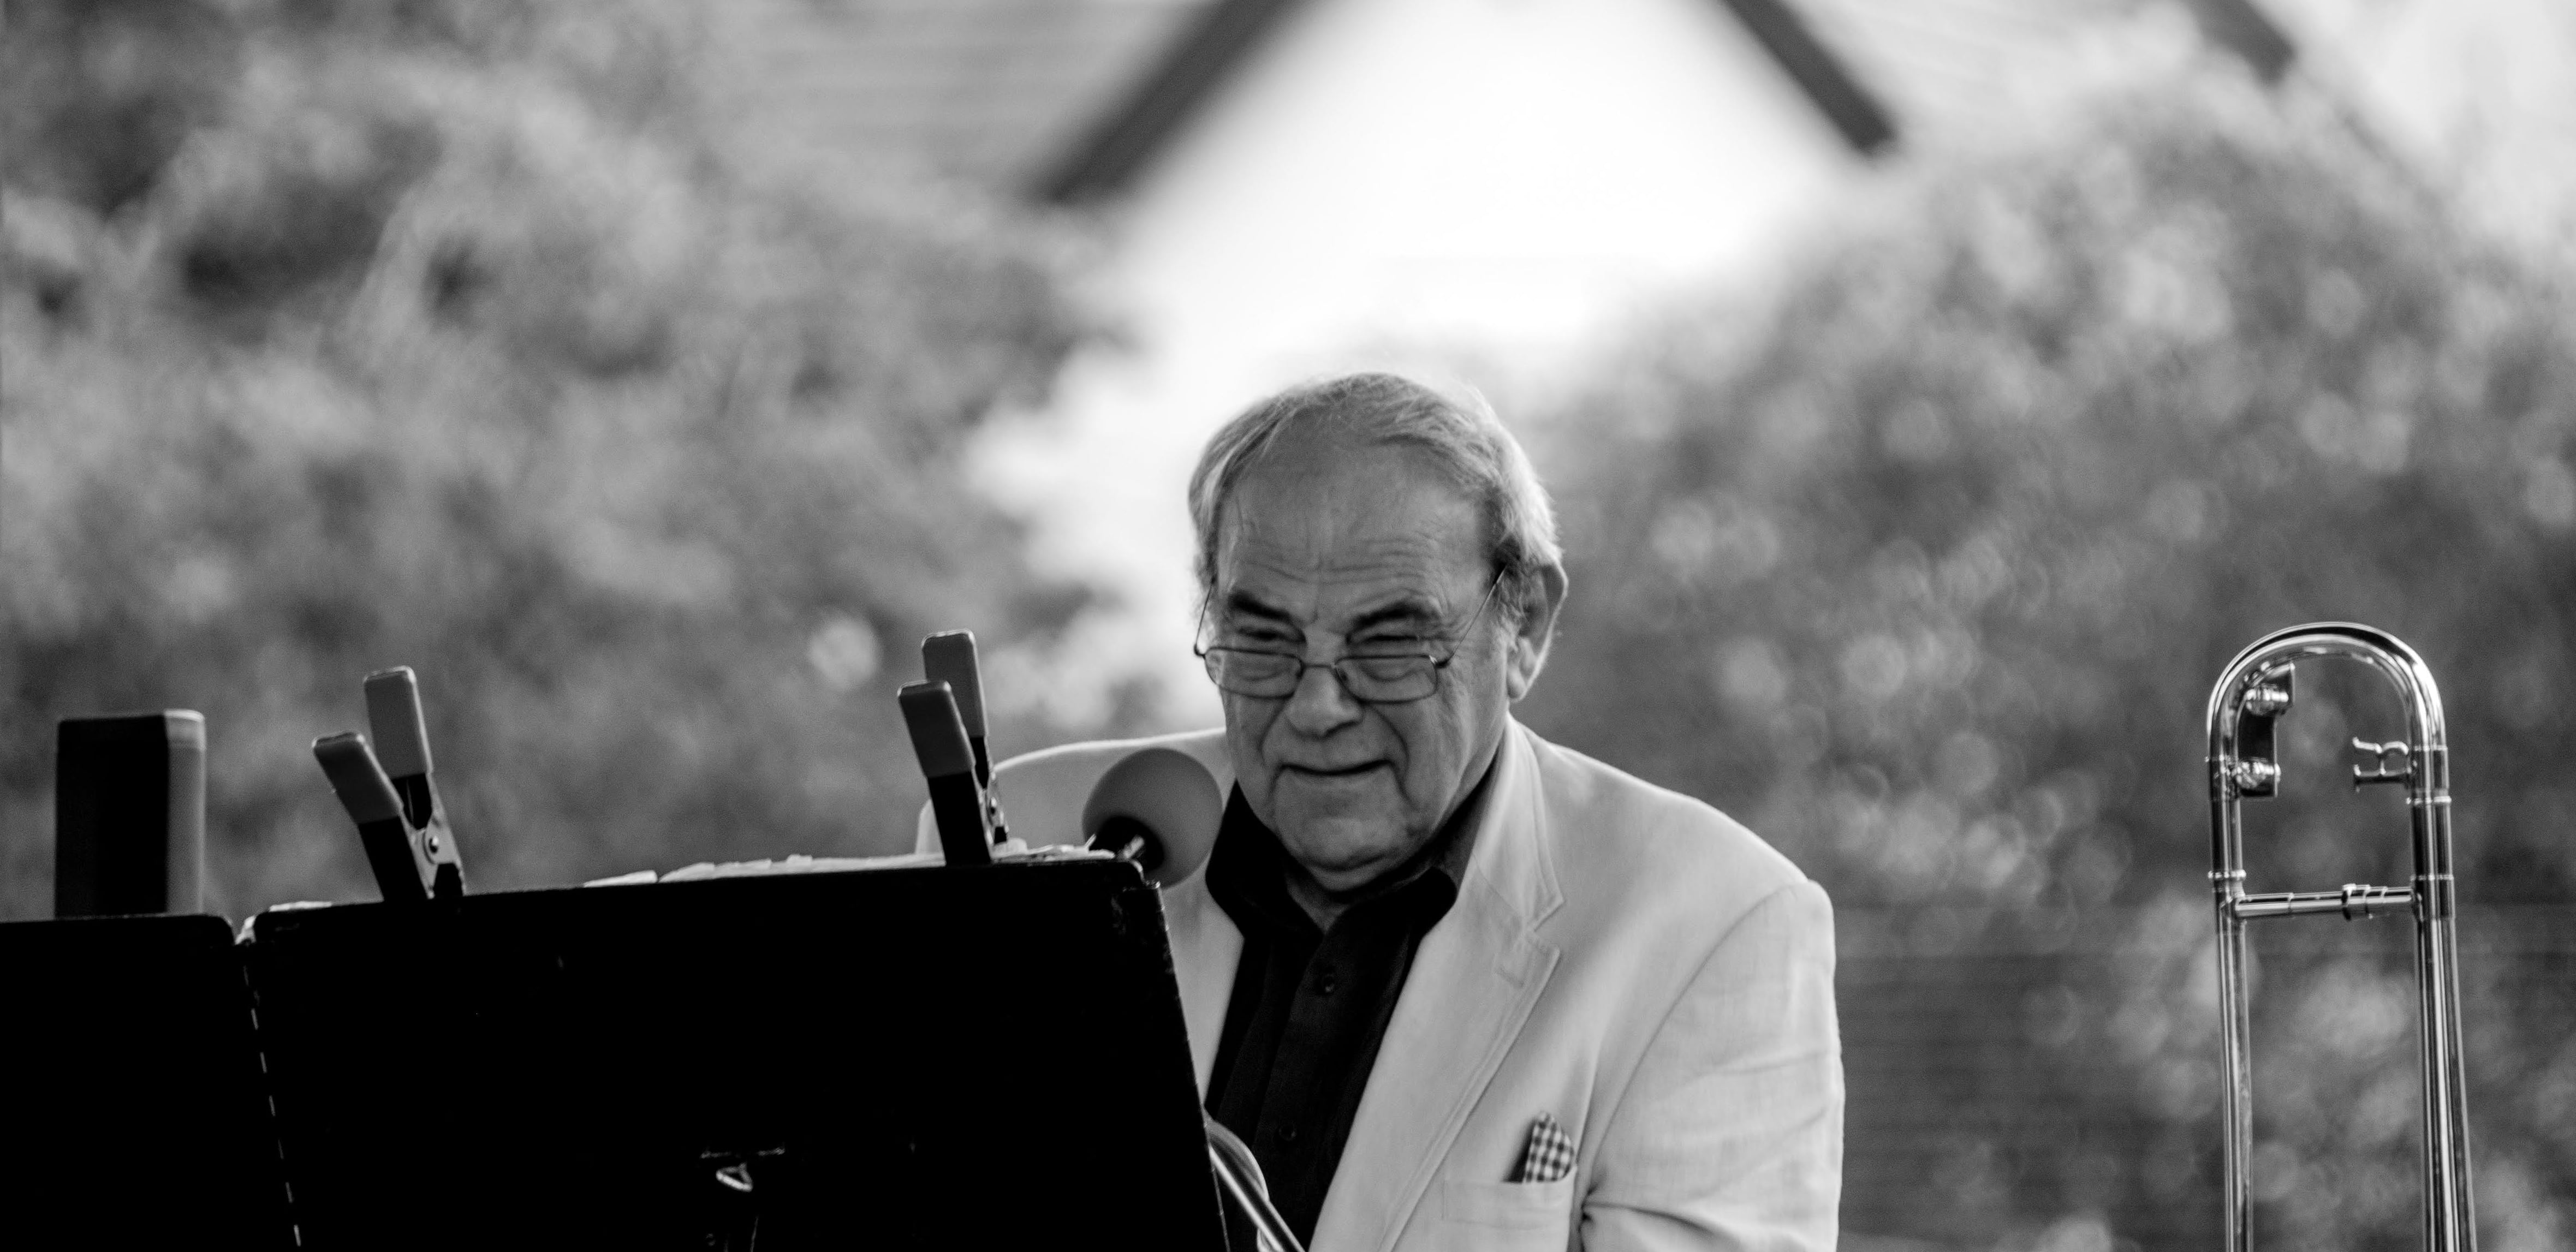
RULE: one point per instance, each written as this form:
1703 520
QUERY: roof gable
1069 100
1213 46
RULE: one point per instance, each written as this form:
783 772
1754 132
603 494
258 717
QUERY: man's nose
1320 705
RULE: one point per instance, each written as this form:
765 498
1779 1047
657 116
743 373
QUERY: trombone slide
2251 696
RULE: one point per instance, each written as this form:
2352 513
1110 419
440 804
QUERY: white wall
1474 188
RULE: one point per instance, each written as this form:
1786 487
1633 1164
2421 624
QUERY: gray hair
1462 434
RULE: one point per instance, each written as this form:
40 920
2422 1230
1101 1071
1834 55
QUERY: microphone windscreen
949 657
393 713
356 778
1169 794
938 736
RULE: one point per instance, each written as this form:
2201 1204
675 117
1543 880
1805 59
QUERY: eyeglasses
1398 673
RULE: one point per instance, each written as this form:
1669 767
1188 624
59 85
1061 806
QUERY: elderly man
1456 986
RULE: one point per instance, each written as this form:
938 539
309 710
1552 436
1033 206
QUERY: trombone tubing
1240 1171
2449 1220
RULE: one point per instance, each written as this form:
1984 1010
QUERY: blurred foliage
450 334
1926 569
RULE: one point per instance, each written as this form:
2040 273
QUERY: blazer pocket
1509 1205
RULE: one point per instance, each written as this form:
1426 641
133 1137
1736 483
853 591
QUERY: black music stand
899 1058
134 1114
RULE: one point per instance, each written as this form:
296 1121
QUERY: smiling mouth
1347 771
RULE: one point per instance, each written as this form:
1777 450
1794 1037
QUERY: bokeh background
1937 394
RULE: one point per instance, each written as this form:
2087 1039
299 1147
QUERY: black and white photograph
1283 625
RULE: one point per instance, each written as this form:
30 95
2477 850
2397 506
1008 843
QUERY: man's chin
1342 855
1359 799
1344 829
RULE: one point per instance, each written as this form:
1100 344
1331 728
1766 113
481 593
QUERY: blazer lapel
1206 946
1473 983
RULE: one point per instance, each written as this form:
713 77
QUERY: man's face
1322 549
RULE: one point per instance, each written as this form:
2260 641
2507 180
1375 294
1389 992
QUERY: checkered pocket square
1550 1154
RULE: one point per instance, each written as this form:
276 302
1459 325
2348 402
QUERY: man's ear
1542 597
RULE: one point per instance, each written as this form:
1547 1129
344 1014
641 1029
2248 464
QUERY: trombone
2249 699
1241 1175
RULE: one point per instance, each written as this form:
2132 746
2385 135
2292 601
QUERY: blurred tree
1926 571
341 336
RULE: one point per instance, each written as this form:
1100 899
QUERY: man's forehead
1257 575
1382 514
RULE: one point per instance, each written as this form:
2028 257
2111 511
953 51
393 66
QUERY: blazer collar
1515 855
1473 983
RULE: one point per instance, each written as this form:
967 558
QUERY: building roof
1956 71
1066 100
984 91
1225 31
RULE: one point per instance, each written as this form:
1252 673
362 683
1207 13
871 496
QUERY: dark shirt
1310 1006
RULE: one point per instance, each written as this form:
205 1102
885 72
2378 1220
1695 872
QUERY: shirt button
1326 983
1289 1134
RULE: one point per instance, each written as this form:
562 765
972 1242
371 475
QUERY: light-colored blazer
1624 958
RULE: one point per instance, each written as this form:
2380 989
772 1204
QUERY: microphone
1159 808
949 657
402 744
948 763
372 803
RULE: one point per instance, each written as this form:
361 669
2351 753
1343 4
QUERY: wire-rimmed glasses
1398 673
